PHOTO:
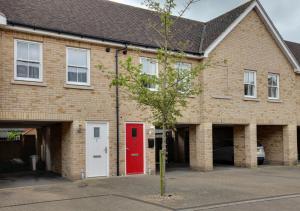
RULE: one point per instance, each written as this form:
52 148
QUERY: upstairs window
250 83
273 86
78 66
149 67
28 60
182 67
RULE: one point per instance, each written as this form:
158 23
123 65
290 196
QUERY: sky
285 14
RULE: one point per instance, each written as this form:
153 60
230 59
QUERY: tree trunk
163 163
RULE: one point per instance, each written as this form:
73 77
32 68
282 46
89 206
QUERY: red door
134 149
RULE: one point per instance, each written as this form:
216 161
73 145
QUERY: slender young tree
165 94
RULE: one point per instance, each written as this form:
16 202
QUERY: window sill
251 99
82 87
222 97
29 83
275 101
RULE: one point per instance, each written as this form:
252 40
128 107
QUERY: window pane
149 66
273 86
275 80
146 67
72 74
251 90
134 132
96 132
270 80
246 77
82 75
77 57
180 66
22 69
246 90
34 70
251 78
186 66
151 86
152 68
34 52
274 92
22 51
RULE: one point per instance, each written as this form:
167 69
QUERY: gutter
89 39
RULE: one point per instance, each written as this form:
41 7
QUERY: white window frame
16 78
255 87
278 86
157 71
183 63
88 67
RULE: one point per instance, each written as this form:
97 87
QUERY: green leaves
174 84
13 135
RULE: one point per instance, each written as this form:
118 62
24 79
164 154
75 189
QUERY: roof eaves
278 38
113 42
203 34
222 36
276 35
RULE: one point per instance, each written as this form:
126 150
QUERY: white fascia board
278 37
88 40
3 20
269 25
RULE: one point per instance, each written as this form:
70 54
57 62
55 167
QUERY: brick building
49 81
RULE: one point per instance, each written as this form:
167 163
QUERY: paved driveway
265 188
23 179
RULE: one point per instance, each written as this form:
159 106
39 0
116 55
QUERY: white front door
96 149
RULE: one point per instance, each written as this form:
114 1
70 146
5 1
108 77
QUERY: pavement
224 189
28 178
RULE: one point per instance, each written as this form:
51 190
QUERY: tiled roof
295 48
110 21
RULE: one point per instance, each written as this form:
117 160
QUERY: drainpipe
118 106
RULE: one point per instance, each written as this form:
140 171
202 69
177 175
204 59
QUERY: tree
13 135
167 93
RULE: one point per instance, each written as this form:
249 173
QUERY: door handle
97 156
105 150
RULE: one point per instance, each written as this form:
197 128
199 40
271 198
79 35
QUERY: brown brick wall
272 140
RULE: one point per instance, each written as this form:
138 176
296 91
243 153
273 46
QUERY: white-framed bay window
28 56
250 83
273 86
78 66
149 67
